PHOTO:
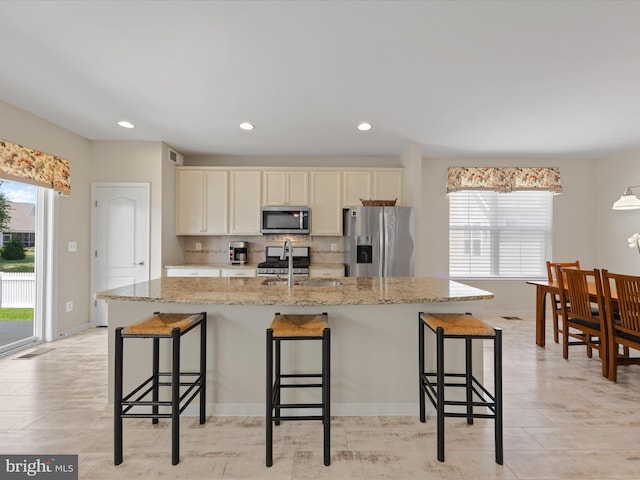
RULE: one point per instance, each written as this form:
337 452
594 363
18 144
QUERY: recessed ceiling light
247 126
125 124
364 126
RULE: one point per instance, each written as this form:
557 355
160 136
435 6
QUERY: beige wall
613 227
173 248
135 162
71 270
573 224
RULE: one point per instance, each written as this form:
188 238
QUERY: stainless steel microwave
286 219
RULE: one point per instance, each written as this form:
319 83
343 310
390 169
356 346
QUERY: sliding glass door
19 244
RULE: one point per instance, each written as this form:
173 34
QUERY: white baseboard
74 330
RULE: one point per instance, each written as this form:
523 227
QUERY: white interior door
120 233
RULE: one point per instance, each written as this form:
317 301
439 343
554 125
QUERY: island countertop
253 291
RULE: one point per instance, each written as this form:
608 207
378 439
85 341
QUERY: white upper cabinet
372 185
326 202
356 185
226 201
246 200
387 185
202 198
285 188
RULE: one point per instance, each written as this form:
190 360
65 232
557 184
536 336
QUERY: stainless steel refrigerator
378 241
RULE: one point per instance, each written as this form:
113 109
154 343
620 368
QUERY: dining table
544 287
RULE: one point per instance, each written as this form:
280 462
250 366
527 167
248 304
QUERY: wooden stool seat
299 325
455 324
162 324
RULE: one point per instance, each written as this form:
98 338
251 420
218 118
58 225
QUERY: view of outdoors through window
17 265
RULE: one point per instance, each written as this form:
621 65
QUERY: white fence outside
17 290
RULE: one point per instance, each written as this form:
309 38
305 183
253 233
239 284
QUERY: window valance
504 179
24 164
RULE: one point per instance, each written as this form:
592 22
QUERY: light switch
72 247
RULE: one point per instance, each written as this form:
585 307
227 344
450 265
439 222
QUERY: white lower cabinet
193 272
326 272
238 272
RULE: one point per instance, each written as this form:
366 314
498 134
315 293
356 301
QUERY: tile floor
562 421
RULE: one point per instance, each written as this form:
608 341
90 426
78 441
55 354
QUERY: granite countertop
211 265
251 291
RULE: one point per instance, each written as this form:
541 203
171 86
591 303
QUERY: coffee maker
238 253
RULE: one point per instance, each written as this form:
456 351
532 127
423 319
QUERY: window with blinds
499 235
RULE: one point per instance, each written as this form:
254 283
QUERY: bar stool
157 326
432 384
297 327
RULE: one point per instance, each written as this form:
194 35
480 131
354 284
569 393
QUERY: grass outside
16 314
24 265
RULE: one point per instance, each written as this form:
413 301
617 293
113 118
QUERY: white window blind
499 235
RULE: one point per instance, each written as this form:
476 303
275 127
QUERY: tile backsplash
214 249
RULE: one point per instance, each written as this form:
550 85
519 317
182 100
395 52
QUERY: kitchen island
373 333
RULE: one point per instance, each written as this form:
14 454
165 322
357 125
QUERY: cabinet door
326 203
285 188
193 272
238 272
245 202
387 186
190 203
216 202
357 185
326 272
298 188
274 188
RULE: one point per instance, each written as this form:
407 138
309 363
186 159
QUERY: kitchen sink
275 282
306 283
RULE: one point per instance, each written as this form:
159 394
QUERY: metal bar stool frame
178 403
433 384
275 385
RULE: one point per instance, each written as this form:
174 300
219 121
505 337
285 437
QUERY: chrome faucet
282 257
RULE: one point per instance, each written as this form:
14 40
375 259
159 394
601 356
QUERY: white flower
634 241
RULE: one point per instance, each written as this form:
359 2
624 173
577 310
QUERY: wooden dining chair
623 319
556 311
583 322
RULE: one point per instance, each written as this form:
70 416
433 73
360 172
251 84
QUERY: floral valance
504 179
24 164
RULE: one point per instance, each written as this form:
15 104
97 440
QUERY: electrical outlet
198 246
69 306
72 246
334 247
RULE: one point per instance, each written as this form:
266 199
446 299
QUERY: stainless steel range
273 266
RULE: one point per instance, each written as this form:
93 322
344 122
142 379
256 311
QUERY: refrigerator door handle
382 264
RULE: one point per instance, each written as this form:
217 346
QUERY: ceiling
472 79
